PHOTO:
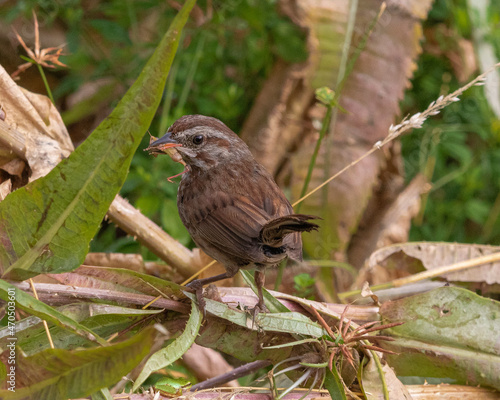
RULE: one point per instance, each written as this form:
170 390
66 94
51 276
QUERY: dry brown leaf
36 124
370 96
373 387
429 255
391 224
5 189
14 167
275 121
367 292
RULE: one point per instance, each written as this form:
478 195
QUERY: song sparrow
229 203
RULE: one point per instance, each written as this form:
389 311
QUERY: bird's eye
198 139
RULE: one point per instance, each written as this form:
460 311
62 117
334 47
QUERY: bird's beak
165 142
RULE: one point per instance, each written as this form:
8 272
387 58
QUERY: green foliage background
219 70
464 204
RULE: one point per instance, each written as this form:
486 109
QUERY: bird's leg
197 286
260 279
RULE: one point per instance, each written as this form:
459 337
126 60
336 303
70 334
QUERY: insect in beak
161 145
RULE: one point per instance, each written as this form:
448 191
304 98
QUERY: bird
229 203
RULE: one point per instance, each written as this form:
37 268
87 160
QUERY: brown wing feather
231 228
225 219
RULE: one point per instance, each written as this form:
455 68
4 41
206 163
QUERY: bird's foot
260 307
197 287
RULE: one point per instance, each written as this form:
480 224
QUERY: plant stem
322 133
346 71
47 87
236 373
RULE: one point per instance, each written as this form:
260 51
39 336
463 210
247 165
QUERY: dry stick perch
63 294
136 224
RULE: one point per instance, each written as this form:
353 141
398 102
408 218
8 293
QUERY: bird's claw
256 310
196 287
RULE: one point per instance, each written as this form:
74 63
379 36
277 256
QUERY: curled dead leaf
430 255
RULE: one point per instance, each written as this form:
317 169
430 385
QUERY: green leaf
272 304
172 386
290 322
58 374
35 307
102 319
449 333
174 350
47 225
333 384
287 322
103 394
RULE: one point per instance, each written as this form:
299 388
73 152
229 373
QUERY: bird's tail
273 232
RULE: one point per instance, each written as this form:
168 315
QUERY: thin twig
198 272
382 327
370 338
364 326
490 258
236 373
45 325
367 346
62 294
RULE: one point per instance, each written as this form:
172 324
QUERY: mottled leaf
58 374
449 333
102 319
118 279
287 322
39 309
378 387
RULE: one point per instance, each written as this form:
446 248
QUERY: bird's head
203 142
